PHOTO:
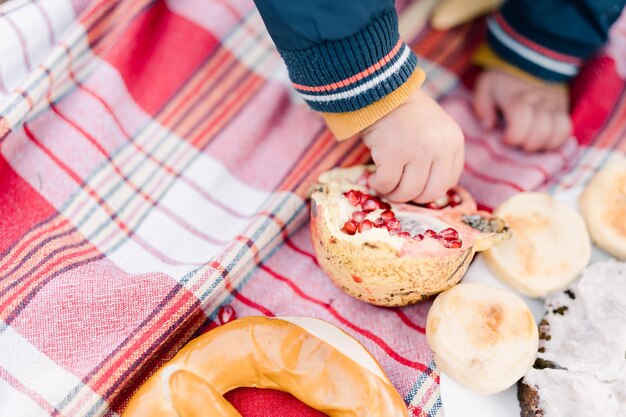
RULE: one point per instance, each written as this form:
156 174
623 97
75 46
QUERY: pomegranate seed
393 224
455 198
370 205
405 235
442 202
358 216
379 222
366 225
387 214
353 196
431 233
363 197
350 227
393 232
384 206
452 244
431 206
226 314
418 237
449 234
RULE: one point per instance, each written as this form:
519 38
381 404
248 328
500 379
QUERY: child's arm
535 48
346 59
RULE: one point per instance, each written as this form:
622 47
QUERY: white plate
461 402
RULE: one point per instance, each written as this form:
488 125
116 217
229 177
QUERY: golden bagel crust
603 206
485 338
267 353
549 247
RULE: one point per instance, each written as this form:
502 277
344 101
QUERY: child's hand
536 116
417 149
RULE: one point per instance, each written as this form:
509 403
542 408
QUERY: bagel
485 338
395 254
603 206
549 247
313 360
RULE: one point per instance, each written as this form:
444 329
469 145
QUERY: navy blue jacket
551 39
344 55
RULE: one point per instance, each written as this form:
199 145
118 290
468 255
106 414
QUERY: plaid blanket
154 163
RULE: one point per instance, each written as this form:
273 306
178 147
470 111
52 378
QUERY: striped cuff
485 57
528 55
352 73
348 124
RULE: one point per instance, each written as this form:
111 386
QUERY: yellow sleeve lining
348 124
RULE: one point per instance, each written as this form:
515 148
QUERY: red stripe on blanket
405 319
20 198
157 53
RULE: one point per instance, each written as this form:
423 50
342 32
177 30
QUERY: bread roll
603 206
549 247
485 338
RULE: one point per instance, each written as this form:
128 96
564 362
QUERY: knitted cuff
354 72
346 125
486 58
523 53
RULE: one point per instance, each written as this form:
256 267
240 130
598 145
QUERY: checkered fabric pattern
154 163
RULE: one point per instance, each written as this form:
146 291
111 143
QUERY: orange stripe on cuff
354 78
348 124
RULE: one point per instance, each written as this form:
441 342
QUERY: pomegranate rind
603 206
385 270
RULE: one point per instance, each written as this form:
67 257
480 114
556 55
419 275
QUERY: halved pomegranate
395 254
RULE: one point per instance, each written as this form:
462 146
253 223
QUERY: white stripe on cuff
365 86
527 53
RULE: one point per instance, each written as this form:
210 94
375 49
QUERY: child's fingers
439 181
484 104
413 180
562 130
541 131
519 119
386 177
458 163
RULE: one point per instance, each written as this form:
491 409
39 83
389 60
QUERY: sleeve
345 58
550 39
